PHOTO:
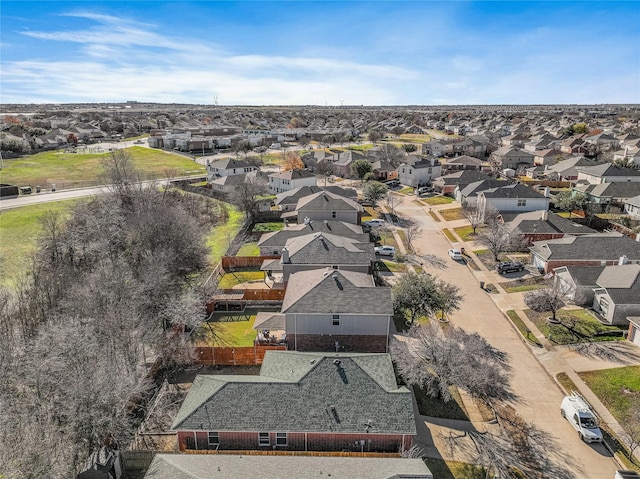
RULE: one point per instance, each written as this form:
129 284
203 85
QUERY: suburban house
514 197
418 171
634 329
235 466
468 194
314 159
573 145
288 200
585 250
463 162
290 180
608 173
632 207
342 164
318 250
618 293
229 183
300 402
567 170
325 205
609 193
516 139
383 170
512 157
579 282
546 157
447 184
272 243
228 167
434 148
544 225
468 146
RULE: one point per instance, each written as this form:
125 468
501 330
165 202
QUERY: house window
410 171
281 438
522 202
214 438
263 439
604 306
335 320
430 169
333 214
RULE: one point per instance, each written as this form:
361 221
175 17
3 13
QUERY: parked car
509 267
385 250
577 411
374 223
392 183
455 253
423 190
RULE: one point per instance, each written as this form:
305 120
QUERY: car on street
455 254
626 475
374 223
423 190
577 411
392 183
385 250
509 267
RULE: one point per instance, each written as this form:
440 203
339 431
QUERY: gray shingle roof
230 163
303 392
473 188
463 177
535 222
293 174
584 275
326 248
339 228
292 197
635 201
316 291
227 466
326 201
622 283
622 189
609 169
517 190
597 247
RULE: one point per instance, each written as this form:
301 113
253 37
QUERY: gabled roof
583 275
463 177
337 291
609 169
517 190
512 151
230 163
327 248
622 189
545 222
622 283
635 201
572 163
326 201
339 228
303 392
293 175
233 466
465 160
292 196
596 247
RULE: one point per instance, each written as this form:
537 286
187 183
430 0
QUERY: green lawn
19 233
267 227
434 216
447 232
249 249
230 331
221 236
466 232
387 239
59 167
617 388
229 280
407 190
577 325
523 288
524 330
451 214
438 200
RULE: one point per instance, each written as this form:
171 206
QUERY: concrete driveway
538 395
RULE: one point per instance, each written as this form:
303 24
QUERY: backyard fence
229 263
246 356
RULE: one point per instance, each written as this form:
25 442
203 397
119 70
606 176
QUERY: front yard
617 388
576 326
452 214
437 200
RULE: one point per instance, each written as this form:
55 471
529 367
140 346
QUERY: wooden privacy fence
246 356
229 263
296 453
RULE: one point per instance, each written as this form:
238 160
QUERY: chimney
545 215
285 255
623 260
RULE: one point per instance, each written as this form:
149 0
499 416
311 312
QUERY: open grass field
19 233
59 168
230 331
576 325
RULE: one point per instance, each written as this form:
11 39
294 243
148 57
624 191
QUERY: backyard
60 167
235 278
227 331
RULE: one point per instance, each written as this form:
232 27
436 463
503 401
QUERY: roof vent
336 361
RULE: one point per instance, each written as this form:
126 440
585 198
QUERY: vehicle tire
581 436
562 413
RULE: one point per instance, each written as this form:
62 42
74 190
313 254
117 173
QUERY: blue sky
352 53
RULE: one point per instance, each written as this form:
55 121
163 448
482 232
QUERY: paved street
539 395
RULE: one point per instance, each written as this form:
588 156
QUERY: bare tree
375 136
496 237
411 232
392 201
473 215
632 427
246 194
436 359
551 298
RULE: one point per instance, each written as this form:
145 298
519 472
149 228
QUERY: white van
577 411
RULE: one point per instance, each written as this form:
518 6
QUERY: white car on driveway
385 250
374 223
455 254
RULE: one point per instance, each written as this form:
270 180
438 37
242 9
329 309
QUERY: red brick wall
296 442
347 343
